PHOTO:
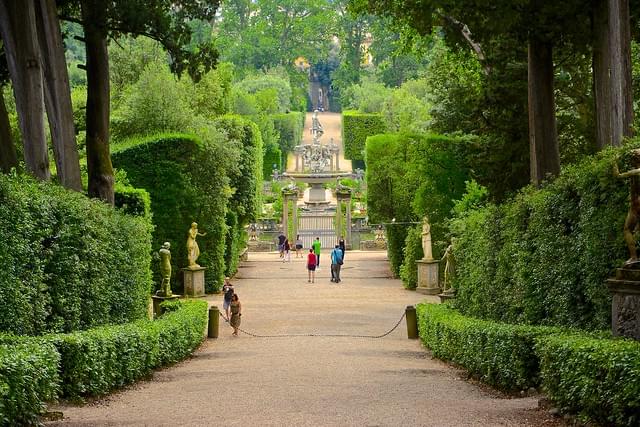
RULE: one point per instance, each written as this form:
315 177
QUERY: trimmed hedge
594 378
186 178
356 127
68 262
133 201
410 176
290 127
28 378
543 256
500 354
96 361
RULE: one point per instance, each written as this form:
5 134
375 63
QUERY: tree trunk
58 95
543 140
620 70
612 72
8 157
98 156
18 30
601 86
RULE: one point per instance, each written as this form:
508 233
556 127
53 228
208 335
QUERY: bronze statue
165 270
633 216
193 251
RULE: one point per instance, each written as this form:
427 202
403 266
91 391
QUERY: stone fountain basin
316 177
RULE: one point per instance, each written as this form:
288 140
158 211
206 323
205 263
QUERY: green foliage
542 256
155 103
499 354
133 201
356 127
271 90
187 179
209 96
598 379
366 97
70 262
412 252
28 378
96 361
404 111
410 176
290 127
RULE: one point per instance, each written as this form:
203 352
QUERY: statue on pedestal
426 239
193 251
165 270
449 269
633 216
316 128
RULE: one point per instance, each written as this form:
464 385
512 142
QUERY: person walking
311 266
228 291
281 239
336 264
316 250
236 313
343 246
299 247
287 251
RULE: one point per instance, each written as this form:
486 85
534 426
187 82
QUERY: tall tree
8 157
163 20
58 95
19 35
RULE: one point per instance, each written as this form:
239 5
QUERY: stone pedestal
193 281
625 304
445 296
157 300
428 273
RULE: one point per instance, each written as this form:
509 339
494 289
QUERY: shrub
595 378
28 378
412 252
260 82
356 127
96 361
186 178
542 256
69 262
500 354
133 201
289 126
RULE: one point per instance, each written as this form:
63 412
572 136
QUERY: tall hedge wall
290 127
542 257
356 127
410 176
246 184
186 178
68 262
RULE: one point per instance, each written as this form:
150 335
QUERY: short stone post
214 322
412 322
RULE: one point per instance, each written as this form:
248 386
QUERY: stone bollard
412 322
214 322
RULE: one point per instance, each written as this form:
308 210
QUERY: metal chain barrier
318 335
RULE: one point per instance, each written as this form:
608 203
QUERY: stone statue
316 128
633 216
193 251
449 269
165 270
426 239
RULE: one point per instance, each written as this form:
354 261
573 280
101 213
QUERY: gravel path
311 381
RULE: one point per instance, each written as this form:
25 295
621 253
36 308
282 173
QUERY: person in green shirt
316 249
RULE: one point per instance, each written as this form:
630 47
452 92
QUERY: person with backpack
228 291
336 264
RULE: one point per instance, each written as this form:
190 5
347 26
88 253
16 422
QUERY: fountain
317 164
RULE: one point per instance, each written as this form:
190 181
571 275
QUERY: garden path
311 381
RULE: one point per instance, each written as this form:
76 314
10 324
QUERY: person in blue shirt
336 264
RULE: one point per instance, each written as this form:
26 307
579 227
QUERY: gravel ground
311 381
